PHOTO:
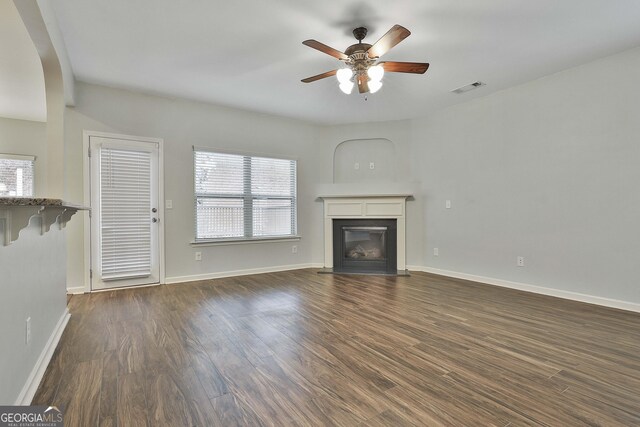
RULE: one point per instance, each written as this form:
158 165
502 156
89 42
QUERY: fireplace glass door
365 245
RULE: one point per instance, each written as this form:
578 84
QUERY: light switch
447 204
168 204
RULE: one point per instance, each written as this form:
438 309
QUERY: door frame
86 169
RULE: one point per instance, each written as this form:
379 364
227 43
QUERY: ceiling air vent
467 88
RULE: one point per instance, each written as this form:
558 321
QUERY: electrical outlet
520 261
356 165
372 165
168 204
198 256
436 252
27 332
447 204
294 249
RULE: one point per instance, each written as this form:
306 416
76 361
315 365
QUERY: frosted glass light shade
346 87
375 73
374 85
344 75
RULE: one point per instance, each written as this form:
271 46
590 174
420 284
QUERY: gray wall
548 170
353 161
545 170
27 138
392 174
32 284
183 124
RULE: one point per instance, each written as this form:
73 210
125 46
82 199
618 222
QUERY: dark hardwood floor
298 348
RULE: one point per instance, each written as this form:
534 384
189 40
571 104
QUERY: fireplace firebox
365 246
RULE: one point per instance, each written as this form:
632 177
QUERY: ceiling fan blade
363 84
320 76
395 35
405 67
326 49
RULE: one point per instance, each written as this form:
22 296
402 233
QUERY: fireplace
365 246
365 234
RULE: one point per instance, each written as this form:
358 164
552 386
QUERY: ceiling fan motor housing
360 33
358 60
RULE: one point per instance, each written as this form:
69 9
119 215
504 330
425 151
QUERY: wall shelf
16 212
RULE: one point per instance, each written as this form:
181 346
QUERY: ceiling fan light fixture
346 87
374 86
375 73
358 61
344 75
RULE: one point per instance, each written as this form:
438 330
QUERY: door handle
154 210
154 219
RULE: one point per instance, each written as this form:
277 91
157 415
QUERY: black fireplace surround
365 246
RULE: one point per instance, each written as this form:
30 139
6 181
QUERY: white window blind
125 209
16 175
244 197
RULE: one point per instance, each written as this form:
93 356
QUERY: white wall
183 124
28 138
398 133
353 161
32 284
545 170
548 170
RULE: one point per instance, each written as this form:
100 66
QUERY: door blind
125 212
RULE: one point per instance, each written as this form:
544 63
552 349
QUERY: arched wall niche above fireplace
365 161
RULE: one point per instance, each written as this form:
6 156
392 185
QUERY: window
16 175
244 197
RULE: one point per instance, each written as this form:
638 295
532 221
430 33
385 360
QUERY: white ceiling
248 54
22 94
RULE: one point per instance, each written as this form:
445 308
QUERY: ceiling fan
361 64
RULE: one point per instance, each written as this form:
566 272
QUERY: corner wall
397 132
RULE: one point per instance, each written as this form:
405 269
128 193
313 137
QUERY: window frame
248 198
27 158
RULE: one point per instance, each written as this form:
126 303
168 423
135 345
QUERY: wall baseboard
574 296
76 290
232 273
33 381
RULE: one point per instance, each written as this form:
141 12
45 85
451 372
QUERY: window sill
224 242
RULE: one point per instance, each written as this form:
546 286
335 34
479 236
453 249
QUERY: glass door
124 213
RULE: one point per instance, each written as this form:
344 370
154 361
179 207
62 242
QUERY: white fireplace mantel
384 206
